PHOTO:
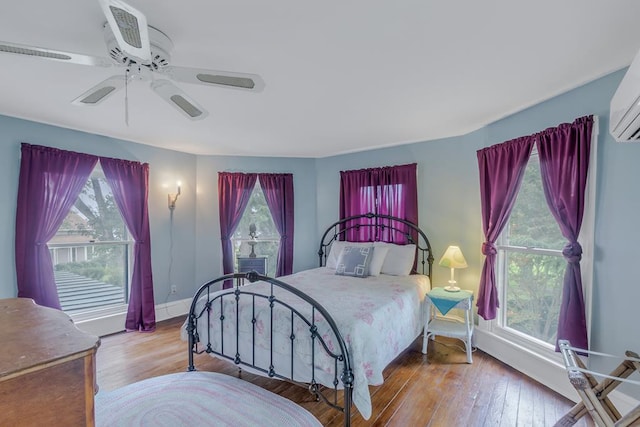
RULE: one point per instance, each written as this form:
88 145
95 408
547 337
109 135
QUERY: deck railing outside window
91 276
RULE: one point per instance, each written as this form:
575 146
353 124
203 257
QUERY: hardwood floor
441 390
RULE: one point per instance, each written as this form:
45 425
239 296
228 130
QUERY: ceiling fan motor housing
161 48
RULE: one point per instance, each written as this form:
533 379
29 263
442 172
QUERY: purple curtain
278 192
129 182
398 196
501 168
564 162
234 191
390 190
49 184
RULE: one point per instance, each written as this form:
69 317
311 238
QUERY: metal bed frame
341 357
342 372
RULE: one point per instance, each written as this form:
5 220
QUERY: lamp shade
453 258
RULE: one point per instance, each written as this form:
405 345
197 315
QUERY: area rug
197 399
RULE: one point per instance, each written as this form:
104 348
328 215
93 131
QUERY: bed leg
348 397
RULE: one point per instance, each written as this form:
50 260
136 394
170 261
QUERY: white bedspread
378 318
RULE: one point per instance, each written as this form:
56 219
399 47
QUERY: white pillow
399 259
377 259
336 250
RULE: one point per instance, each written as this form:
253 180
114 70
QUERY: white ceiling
341 76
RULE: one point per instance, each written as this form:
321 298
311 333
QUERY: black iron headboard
381 227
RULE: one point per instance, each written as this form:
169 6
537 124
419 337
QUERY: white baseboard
545 371
114 322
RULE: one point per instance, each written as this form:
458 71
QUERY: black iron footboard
207 300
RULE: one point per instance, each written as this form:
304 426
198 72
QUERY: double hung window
530 266
91 251
256 233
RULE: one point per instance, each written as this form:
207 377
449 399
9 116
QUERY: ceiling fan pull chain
126 96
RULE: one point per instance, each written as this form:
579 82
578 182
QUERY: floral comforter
378 317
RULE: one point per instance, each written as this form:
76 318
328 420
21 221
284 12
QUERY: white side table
443 301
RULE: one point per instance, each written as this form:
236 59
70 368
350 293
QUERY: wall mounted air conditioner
624 113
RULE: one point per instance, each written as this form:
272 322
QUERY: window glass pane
531 223
533 291
90 251
533 267
265 240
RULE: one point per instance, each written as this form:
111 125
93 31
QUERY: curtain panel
234 191
564 162
129 182
278 192
49 183
501 168
389 190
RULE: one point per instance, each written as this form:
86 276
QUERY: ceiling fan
143 52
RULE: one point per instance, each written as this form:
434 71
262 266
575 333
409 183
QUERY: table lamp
453 259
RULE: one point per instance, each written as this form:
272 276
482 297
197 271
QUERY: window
530 265
91 251
266 235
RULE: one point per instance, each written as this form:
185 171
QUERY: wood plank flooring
438 390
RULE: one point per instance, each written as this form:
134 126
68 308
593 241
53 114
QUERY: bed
333 328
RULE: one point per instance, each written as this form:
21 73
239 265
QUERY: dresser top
33 335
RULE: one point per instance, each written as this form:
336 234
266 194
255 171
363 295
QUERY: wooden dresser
47 367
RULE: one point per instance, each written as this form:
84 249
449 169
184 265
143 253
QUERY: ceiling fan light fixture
144 54
243 82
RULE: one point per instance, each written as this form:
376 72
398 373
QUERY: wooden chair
594 394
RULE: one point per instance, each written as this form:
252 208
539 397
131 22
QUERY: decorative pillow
354 261
377 259
399 259
336 250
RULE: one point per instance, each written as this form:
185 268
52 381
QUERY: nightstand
257 264
443 301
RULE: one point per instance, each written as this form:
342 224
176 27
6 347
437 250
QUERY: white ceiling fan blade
129 26
179 99
56 55
229 79
100 92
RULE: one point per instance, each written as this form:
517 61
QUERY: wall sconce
173 198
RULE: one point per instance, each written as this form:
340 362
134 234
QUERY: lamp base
451 288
